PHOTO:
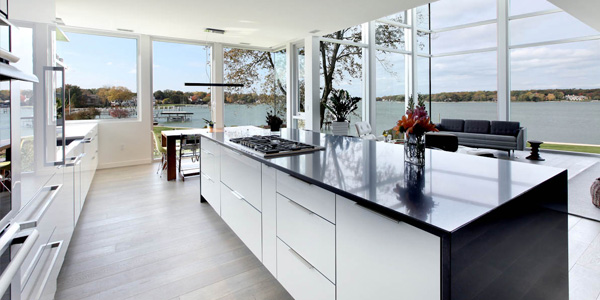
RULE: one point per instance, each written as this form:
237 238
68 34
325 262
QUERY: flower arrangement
209 123
415 121
274 121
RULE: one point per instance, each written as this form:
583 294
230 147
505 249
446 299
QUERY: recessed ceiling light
245 44
314 31
214 30
126 30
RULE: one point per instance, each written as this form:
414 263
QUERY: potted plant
210 124
341 105
274 121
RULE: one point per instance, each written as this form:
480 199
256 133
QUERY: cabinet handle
17 261
88 140
58 246
237 195
301 207
76 160
207 177
54 190
302 180
304 261
376 213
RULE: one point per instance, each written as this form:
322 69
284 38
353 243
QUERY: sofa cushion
477 126
505 128
452 125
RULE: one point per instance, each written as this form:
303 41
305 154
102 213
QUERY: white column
414 58
369 75
145 93
503 105
312 82
216 95
291 79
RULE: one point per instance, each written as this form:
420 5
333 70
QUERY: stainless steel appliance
273 146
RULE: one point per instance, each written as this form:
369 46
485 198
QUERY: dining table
169 140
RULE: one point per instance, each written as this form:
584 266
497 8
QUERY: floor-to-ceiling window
341 69
464 59
174 104
261 73
555 74
101 76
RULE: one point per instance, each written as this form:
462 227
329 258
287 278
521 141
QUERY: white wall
39 11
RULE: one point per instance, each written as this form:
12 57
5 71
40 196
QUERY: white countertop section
78 129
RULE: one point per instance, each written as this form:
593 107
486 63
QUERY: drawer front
209 145
243 175
243 219
316 199
210 162
299 278
308 234
269 219
39 281
211 191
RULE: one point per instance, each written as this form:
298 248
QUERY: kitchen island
353 221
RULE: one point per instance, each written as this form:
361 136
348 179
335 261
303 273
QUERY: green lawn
573 148
157 130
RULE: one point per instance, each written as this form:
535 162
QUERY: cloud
132 71
109 63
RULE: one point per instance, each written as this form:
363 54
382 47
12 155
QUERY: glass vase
414 149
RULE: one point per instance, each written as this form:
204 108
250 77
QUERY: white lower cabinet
242 218
300 278
308 234
211 191
269 219
243 174
210 173
379 258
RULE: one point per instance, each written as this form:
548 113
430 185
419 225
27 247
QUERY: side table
535 151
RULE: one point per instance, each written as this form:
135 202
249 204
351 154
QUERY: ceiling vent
60 21
213 30
314 31
126 30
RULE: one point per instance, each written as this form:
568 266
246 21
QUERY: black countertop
451 191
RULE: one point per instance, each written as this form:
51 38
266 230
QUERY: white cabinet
269 219
314 198
242 174
379 258
300 278
210 173
308 234
89 162
242 218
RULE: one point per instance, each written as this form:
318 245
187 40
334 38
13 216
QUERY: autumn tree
74 95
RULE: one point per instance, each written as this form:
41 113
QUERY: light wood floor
141 237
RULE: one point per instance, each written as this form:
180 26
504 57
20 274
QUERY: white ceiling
584 10
261 23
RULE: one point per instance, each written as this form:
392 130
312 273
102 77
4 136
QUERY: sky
94 61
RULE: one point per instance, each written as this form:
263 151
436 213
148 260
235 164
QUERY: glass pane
346 75
423 78
22 46
101 76
464 39
397 17
547 28
4 37
422 42
301 90
249 105
423 17
5 146
391 85
280 89
444 12
464 86
390 36
519 7
553 88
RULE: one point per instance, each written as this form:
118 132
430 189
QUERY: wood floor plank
141 237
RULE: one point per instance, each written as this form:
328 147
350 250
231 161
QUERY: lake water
566 122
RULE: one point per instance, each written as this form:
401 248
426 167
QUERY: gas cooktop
273 145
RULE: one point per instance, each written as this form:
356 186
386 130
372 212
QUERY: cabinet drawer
308 234
299 278
209 145
243 219
210 161
39 280
242 174
211 191
316 199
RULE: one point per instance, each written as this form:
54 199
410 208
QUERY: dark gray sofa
501 135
